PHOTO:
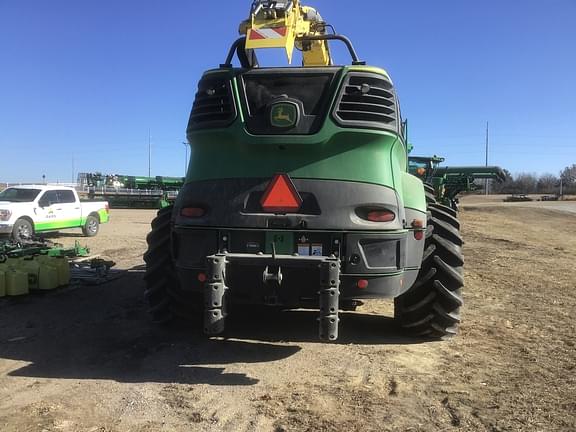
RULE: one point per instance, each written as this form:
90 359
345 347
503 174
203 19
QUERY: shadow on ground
104 332
269 325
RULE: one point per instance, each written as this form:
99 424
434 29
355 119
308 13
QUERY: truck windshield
19 195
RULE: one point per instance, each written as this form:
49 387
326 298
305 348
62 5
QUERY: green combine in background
445 184
123 191
298 194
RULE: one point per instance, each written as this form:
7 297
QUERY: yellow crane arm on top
278 24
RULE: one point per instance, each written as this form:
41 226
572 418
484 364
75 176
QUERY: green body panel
413 192
104 216
354 155
333 153
61 224
70 223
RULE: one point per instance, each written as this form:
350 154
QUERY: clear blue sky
84 81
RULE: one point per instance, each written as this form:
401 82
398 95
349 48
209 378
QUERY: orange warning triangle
281 196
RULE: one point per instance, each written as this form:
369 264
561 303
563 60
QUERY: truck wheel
431 308
91 227
165 297
22 230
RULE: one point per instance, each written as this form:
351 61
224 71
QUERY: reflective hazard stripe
267 33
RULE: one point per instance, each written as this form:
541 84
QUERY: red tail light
192 212
281 196
381 216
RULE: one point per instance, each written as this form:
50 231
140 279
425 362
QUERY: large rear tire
159 268
430 192
431 308
166 299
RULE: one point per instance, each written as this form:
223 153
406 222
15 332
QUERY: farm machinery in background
122 191
445 183
40 265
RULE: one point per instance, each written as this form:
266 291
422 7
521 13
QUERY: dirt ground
87 359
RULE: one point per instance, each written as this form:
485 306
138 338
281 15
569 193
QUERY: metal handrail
238 43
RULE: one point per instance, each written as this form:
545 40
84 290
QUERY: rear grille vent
214 104
367 100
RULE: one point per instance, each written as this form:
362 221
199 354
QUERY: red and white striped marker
267 33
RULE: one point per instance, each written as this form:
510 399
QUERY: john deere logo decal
284 115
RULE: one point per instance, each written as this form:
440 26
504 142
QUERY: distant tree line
528 183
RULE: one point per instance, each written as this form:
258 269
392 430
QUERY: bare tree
502 187
525 183
568 177
548 184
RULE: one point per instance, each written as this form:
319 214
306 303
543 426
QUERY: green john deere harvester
445 183
298 193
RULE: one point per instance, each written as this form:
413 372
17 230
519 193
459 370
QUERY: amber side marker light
418 225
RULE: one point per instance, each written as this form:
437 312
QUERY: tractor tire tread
431 307
447 218
445 209
165 298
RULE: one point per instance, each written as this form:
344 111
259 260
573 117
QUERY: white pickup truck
26 210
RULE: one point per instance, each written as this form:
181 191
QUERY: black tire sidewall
86 228
431 308
18 224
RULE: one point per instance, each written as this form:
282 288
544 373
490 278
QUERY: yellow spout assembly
278 24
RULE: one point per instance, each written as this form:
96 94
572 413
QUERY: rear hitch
215 295
329 297
216 290
272 281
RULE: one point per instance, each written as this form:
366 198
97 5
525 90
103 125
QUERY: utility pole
149 154
186 145
487 142
73 168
